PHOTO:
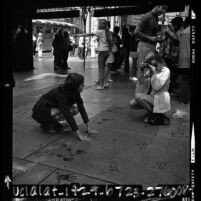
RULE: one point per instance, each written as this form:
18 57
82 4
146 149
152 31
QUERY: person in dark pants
58 103
118 42
125 51
58 49
67 48
34 44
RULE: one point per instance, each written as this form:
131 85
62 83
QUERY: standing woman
184 63
58 104
40 44
104 47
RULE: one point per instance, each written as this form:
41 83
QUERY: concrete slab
67 177
104 158
26 172
28 139
124 119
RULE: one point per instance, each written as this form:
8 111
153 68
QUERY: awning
55 22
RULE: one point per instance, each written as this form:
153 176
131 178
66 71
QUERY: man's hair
116 29
102 24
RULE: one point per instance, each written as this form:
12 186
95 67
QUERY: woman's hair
66 34
154 55
177 21
72 82
125 32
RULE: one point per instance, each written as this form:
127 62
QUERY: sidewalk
126 151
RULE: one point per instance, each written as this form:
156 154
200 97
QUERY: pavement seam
25 158
56 168
47 176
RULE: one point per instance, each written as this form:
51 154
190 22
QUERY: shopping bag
110 59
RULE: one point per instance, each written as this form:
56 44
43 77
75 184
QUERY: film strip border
193 67
117 192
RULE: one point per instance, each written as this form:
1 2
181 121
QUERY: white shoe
99 87
133 78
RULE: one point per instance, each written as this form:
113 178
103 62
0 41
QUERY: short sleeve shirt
149 24
102 41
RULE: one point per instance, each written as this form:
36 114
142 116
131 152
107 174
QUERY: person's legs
126 61
102 58
133 67
134 105
145 101
64 60
184 88
107 73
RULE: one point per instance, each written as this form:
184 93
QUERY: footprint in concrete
68 159
105 119
79 151
161 165
69 156
142 146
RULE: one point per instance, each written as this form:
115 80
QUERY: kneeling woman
59 102
157 102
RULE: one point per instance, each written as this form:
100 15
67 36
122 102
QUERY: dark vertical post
7 89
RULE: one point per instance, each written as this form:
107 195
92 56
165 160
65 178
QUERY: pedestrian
58 103
39 44
147 31
184 63
81 48
133 54
74 45
125 51
170 48
67 48
58 49
104 47
34 44
110 59
118 42
157 102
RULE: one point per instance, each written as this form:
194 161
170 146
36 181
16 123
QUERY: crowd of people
160 64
